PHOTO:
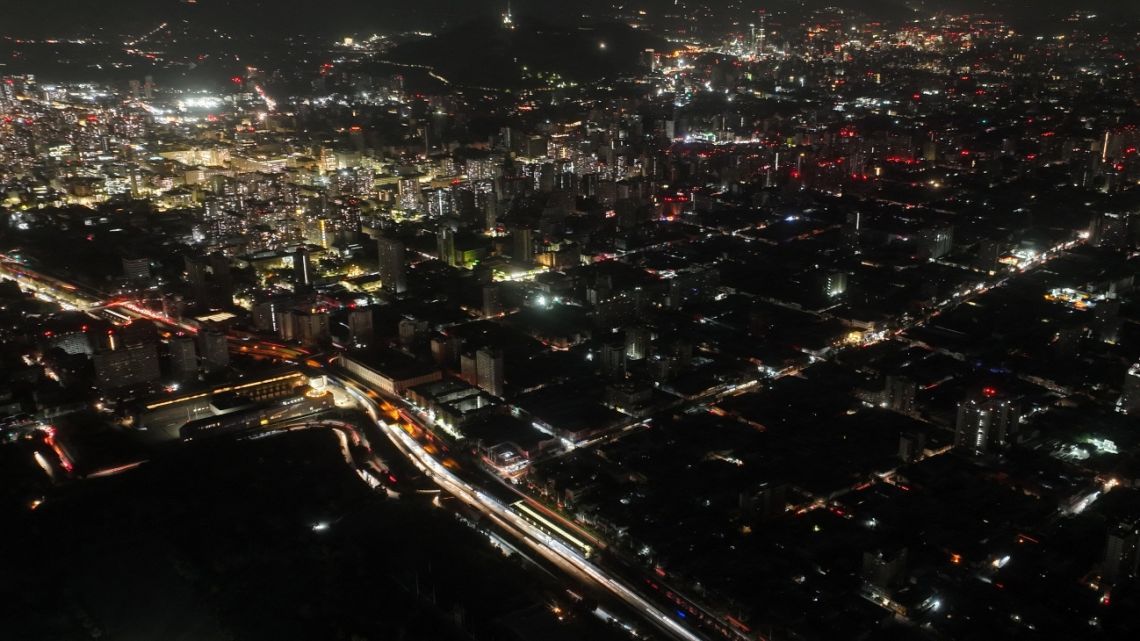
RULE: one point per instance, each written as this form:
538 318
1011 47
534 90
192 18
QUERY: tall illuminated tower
508 20
761 33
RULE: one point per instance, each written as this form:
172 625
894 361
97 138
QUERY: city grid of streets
720 321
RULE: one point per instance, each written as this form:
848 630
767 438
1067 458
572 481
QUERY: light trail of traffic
547 545
526 510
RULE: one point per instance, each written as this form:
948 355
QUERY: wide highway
549 547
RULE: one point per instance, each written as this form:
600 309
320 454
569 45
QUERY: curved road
500 513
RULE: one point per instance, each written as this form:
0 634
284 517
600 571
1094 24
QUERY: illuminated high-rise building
311 326
489 364
136 268
440 202
986 422
636 343
302 267
935 242
899 394
445 244
761 33
1110 229
127 365
1129 402
7 93
320 231
508 19
834 284
411 199
1122 551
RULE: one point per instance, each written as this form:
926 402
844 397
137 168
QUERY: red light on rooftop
989 392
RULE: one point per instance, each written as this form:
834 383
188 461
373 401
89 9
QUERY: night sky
66 16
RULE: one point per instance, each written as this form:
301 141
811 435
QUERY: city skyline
684 321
